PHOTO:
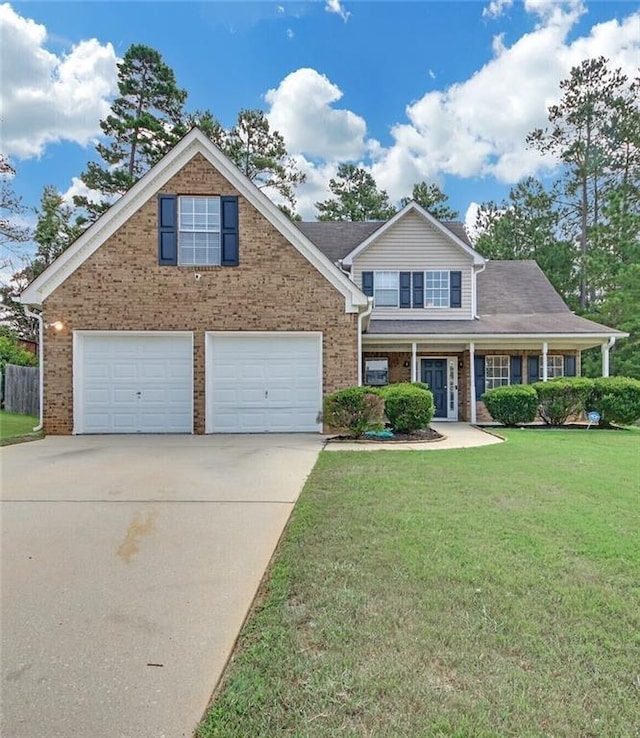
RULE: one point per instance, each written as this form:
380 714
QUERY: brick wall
121 287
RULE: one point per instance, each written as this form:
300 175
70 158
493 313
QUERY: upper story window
497 371
385 289
429 289
436 292
199 231
555 366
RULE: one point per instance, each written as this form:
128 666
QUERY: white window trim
448 300
550 359
182 230
487 378
375 277
373 358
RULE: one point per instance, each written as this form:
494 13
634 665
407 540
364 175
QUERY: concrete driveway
128 566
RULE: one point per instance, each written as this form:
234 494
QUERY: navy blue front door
434 373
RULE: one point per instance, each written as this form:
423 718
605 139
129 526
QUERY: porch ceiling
481 343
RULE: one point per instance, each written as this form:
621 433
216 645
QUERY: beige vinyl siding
413 245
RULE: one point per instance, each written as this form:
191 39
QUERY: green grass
473 593
15 428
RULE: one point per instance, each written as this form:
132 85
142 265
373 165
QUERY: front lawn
15 427
472 593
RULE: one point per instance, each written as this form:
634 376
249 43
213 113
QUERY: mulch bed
417 437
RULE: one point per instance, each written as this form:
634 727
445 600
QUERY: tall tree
145 121
582 136
10 207
432 199
258 151
55 231
57 228
356 197
529 225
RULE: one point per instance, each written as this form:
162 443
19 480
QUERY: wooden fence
21 390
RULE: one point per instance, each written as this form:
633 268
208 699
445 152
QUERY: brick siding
122 287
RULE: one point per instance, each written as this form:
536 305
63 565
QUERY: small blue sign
594 416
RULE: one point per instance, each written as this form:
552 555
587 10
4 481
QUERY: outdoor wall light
57 325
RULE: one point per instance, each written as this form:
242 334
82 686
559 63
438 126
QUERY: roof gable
413 207
195 142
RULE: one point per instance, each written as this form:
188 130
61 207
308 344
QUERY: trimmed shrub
559 398
512 404
354 410
421 385
408 408
617 399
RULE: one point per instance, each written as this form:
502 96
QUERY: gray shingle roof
516 287
336 238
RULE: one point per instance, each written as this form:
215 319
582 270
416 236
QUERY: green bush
421 385
408 408
559 398
617 399
512 404
354 410
12 353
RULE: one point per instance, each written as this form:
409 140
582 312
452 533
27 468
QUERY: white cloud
47 98
290 33
478 127
301 109
432 74
496 8
78 187
335 6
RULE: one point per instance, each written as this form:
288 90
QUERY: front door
434 373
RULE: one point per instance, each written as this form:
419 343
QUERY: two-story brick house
195 305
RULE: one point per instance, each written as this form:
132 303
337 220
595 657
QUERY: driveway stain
141 525
13 676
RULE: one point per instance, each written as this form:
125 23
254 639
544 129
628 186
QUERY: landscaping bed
428 434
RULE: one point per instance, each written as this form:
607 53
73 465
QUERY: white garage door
264 382
133 382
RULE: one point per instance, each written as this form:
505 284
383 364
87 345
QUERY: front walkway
456 435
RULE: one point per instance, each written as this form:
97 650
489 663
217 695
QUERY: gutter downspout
361 319
605 348
474 296
38 317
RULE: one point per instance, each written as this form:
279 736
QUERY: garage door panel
135 383
262 383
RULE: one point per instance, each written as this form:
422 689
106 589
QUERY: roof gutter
38 317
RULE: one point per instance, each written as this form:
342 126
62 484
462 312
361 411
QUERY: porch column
605 359
545 369
472 382
414 362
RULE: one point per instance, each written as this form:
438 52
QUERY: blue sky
442 91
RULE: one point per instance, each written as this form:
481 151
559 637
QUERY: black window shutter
229 231
455 289
167 230
533 364
367 283
405 289
570 365
418 289
516 370
479 375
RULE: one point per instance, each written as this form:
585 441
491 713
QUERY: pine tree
146 119
356 197
432 199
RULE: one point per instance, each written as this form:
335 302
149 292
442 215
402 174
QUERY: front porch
459 373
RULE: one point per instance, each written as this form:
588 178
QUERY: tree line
582 228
